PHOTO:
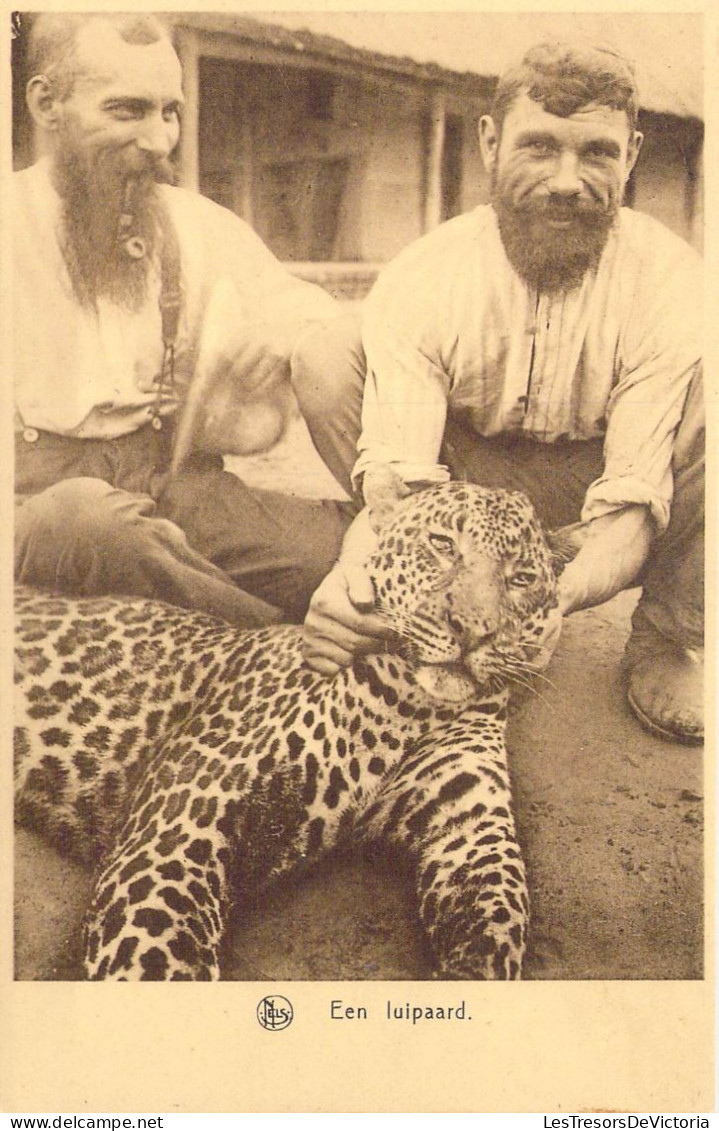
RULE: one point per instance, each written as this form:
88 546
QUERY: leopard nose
469 636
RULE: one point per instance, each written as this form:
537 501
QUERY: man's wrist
569 598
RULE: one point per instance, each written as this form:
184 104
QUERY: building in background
341 137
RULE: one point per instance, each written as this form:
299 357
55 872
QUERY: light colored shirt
451 323
94 373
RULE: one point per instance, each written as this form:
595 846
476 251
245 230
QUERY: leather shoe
666 683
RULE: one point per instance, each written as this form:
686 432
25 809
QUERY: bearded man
129 296
549 342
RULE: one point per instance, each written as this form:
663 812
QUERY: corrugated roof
666 48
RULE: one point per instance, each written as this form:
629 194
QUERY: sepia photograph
359 501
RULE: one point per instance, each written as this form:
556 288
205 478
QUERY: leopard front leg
474 903
157 914
449 806
204 835
161 900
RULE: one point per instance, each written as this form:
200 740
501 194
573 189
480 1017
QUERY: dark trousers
103 516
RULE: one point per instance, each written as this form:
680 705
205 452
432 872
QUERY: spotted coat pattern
193 764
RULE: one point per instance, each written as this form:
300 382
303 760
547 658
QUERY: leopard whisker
545 679
514 664
529 686
412 634
399 626
528 670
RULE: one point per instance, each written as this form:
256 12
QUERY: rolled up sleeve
659 353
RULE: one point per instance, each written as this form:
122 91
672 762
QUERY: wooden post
695 192
435 148
244 204
189 163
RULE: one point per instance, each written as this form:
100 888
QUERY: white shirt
450 322
87 373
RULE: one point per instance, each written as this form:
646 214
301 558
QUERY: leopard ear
565 544
383 490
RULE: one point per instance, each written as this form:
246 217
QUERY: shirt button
30 435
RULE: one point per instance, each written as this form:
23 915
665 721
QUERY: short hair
53 41
564 77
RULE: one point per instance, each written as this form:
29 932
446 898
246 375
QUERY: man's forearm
359 540
612 555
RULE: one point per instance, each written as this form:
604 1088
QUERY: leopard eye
523 578
443 544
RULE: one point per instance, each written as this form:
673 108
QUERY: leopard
193 764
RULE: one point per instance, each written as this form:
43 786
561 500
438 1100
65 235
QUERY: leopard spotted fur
192 763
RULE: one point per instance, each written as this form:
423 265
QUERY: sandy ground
609 817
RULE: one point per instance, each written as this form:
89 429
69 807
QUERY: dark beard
553 259
93 194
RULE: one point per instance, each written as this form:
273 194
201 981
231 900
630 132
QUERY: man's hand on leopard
341 622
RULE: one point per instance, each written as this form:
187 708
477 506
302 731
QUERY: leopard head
467 579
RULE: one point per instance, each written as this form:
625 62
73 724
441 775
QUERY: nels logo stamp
275 1012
